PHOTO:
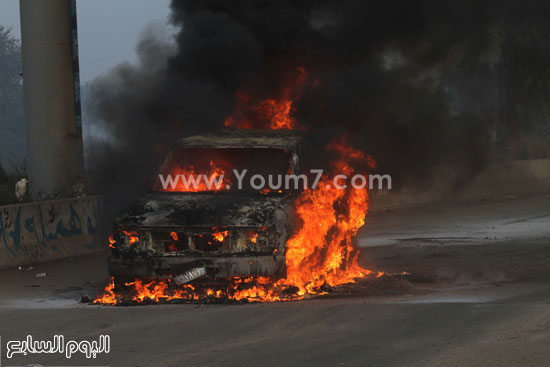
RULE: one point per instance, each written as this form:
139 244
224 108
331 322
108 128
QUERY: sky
108 30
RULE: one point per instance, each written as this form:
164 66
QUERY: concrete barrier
49 230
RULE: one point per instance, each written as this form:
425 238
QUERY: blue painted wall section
44 231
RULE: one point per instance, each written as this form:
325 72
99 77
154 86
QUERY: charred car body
211 232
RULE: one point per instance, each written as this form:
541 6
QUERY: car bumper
217 267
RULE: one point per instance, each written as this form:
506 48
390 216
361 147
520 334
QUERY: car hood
206 209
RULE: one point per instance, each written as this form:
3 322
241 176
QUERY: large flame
321 252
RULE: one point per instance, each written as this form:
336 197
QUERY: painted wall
49 230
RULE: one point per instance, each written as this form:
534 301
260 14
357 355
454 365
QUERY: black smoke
381 70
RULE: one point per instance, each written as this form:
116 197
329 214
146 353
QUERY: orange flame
271 113
213 180
111 242
219 235
268 190
252 236
109 297
321 252
132 236
174 236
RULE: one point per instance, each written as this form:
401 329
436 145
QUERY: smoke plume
377 72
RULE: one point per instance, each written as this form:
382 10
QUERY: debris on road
85 299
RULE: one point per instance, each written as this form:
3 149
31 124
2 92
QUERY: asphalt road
477 294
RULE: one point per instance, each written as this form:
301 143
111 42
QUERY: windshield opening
212 169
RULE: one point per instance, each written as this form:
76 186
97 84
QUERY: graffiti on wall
36 232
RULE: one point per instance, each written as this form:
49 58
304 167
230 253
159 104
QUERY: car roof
244 138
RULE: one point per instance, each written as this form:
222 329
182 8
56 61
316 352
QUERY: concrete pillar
51 92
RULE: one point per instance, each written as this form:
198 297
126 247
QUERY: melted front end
223 252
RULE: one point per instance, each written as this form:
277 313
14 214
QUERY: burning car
199 222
